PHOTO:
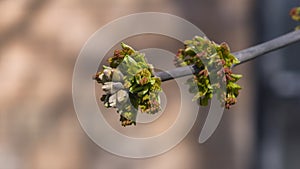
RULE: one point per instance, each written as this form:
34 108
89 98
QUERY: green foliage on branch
129 85
214 63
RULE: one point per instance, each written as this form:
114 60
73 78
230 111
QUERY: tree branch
243 55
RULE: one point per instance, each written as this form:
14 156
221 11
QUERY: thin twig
269 46
243 55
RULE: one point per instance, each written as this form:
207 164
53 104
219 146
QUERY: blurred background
41 39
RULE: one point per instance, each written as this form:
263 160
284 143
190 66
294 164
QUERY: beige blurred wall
39 43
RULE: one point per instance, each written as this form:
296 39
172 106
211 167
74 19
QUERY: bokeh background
41 39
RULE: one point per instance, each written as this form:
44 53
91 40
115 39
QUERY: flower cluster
295 14
214 63
129 85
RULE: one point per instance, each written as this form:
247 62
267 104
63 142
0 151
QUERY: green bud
207 55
